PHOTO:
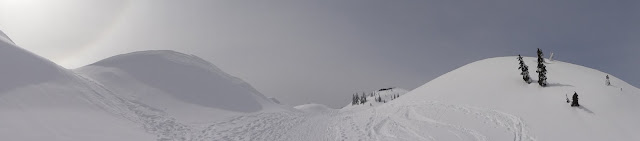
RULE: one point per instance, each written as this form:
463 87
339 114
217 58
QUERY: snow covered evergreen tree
542 70
525 70
363 99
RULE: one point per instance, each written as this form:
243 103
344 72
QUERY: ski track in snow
420 121
408 124
510 122
152 120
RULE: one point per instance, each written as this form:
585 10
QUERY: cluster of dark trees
357 100
393 97
542 70
362 99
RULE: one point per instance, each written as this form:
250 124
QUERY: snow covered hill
492 91
185 86
151 95
40 100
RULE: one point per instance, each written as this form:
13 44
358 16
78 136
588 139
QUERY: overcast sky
322 51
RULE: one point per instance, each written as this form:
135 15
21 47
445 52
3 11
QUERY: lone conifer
525 70
542 70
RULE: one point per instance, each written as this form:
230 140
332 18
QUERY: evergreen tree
357 99
574 100
525 70
542 70
353 99
379 98
363 99
607 82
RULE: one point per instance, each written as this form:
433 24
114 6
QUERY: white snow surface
492 89
166 95
185 86
40 100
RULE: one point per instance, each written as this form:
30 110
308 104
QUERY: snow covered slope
23 68
483 101
492 90
185 86
40 100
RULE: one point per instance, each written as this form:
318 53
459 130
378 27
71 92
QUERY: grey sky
320 51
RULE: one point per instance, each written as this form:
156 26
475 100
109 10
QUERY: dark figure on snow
574 103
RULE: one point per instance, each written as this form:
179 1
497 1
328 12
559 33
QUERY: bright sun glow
27 9
27 16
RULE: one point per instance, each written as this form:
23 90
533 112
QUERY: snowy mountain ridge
186 86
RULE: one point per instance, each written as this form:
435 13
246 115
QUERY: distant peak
156 56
